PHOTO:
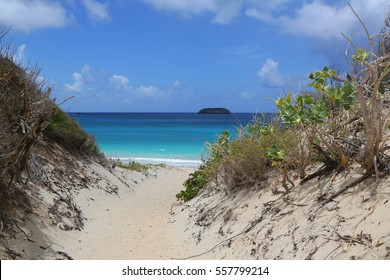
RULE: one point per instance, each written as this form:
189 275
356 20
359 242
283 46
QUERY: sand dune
135 224
96 213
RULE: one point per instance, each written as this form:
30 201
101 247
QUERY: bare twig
65 100
248 228
362 23
340 191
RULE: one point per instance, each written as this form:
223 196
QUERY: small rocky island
214 111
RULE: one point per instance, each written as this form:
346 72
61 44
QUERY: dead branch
249 227
336 194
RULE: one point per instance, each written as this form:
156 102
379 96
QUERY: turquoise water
173 138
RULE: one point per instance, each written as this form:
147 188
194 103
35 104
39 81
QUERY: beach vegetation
209 169
342 121
137 166
347 121
30 119
196 181
245 161
260 146
67 132
25 107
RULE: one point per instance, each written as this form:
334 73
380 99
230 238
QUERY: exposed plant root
248 228
336 194
325 170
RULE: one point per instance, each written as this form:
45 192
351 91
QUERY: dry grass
24 110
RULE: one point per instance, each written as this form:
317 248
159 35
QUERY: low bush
27 114
245 162
344 120
209 169
252 155
66 131
24 109
193 184
136 166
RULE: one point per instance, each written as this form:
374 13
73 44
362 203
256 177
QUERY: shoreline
174 162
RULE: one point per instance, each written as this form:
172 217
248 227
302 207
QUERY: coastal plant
137 166
196 181
321 117
305 114
342 121
29 118
66 131
243 162
218 149
210 168
134 166
246 165
25 107
345 119
368 72
248 162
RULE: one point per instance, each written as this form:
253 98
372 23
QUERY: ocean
170 138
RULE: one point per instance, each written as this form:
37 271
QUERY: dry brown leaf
380 242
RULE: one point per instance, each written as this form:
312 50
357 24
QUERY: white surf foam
167 161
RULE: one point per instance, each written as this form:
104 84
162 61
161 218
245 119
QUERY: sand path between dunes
135 224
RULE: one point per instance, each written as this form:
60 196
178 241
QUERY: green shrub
247 163
209 170
66 131
193 185
133 166
249 160
243 162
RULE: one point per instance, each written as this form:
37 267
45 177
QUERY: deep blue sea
172 138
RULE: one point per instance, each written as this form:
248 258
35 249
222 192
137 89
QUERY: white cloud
120 82
96 10
80 80
77 85
269 5
313 18
86 72
148 90
184 7
224 10
269 74
35 14
260 15
227 12
321 20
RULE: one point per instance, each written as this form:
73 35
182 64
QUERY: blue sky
182 55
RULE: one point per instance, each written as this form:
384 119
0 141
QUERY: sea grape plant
344 117
316 116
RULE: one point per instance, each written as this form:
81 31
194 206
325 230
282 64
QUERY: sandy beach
142 219
135 223
91 212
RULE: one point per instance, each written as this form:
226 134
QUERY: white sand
135 224
144 221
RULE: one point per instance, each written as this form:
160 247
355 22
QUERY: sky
183 55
